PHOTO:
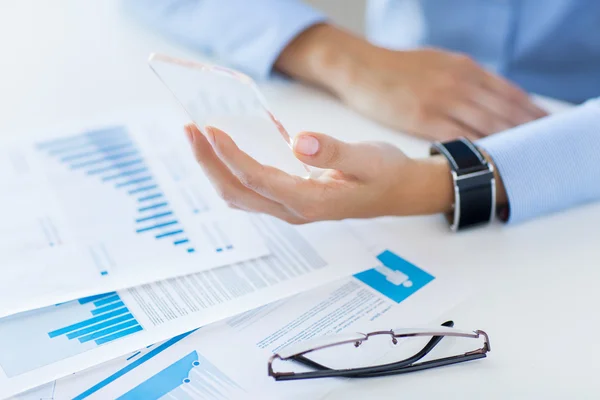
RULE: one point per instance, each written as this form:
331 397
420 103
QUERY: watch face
466 157
474 184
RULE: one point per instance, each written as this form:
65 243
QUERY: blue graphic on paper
110 156
37 338
396 279
191 377
140 361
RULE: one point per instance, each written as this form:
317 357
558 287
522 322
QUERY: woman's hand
361 180
430 93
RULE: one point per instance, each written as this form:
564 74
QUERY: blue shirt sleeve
247 34
550 164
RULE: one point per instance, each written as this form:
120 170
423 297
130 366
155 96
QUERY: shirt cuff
288 20
549 164
247 35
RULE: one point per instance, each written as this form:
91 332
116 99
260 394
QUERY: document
46 344
108 207
228 360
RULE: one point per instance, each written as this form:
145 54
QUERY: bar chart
110 156
38 338
110 320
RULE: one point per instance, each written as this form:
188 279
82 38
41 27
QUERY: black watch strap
474 184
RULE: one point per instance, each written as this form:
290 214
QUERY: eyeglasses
328 350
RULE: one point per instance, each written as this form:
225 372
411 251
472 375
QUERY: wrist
428 188
326 56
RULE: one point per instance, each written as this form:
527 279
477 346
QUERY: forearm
324 55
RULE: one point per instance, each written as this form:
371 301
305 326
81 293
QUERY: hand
362 180
430 93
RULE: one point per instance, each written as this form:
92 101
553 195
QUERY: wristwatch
474 183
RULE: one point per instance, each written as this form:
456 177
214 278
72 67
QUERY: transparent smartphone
229 100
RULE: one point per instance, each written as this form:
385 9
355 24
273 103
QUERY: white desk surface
536 284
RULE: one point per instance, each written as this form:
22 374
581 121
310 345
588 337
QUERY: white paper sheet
108 207
228 360
43 345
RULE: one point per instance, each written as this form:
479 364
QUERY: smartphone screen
231 101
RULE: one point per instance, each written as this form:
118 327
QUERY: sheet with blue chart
49 343
106 208
205 363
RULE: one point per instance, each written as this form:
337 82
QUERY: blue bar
109 307
98 150
155 216
103 273
152 207
180 242
191 250
153 196
108 331
86 300
130 367
87 322
107 131
110 299
219 249
97 327
133 355
119 335
134 181
103 159
163 235
124 174
83 144
55 142
156 226
115 166
143 189
229 247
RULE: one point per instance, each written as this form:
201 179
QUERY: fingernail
306 144
211 134
189 133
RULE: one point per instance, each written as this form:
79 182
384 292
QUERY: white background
536 284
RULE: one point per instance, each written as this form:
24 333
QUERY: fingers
269 182
507 111
513 94
323 151
446 128
480 120
227 185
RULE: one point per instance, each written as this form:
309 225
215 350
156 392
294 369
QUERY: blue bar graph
111 320
111 156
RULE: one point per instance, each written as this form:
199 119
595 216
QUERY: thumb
323 151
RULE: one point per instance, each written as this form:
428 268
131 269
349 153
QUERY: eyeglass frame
400 367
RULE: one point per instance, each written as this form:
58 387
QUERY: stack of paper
116 250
